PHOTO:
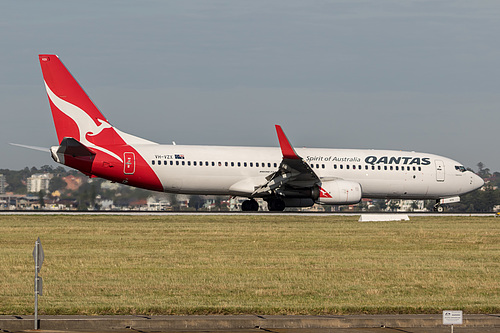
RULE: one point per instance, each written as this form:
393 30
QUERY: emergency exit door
128 163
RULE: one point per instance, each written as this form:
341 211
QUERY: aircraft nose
476 181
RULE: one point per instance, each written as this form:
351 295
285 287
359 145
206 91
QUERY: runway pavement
227 213
251 323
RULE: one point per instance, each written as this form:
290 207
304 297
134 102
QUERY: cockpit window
460 168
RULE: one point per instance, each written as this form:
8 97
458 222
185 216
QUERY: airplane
282 177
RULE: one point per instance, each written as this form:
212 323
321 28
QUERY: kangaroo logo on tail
67 97
86 125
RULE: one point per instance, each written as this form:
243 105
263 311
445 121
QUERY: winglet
286 148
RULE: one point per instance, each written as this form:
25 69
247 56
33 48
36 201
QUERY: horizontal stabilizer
44 149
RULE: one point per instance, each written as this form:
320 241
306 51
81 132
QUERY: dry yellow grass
250 264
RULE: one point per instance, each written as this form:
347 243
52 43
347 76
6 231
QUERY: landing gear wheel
276 205
250 206
438 207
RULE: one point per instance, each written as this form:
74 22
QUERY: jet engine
340 192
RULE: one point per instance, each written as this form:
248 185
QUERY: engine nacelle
340 192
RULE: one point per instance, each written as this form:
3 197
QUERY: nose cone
476 181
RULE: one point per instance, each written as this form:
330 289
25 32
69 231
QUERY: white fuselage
227 170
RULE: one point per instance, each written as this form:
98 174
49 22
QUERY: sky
387 74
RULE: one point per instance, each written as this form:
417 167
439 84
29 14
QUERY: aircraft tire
250 206
276 205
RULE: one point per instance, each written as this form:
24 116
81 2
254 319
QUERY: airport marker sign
452 317
39 256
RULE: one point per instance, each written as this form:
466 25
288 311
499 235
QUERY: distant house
73 182
158 202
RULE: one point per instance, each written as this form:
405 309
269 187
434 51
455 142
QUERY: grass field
250 264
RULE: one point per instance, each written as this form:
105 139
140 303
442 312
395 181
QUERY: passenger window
159 162
232 164
239 164
373 167
171 162
366 167
213 163
219 164
176 162
379 167
256 164
194 163
391 167
275 165
153 162
347 166
322 166
341 166
206 163
189 163
226 164
335 166
183 163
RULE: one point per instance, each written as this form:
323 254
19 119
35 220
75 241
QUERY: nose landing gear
438 207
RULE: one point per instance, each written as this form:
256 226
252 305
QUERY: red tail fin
74 113
87 141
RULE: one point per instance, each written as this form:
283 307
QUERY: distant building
408 205
39 182
2 184
158 202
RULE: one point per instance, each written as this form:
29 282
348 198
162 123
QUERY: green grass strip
96 265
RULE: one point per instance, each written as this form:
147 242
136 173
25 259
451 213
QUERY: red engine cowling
339 192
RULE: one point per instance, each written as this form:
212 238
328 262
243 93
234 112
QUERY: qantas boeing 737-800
283 177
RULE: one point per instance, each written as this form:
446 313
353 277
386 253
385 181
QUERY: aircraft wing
293 172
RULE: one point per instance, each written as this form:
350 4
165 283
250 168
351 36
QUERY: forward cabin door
439 171
128 163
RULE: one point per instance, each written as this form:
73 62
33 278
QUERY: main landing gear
250 206
274 205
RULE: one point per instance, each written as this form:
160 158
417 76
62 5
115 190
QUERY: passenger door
439 171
